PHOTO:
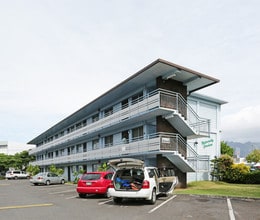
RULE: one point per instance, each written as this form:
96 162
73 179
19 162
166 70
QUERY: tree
18 161
103 167
225 149
221 167
22 159
58 171
33 170
254 156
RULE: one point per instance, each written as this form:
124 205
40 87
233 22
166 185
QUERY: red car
94 183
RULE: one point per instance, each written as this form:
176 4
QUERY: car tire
81 195
48 182
153 197
62 181
117 200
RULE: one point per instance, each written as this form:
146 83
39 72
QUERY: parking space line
4 184
107 201
157 207
25 206
230 210
62 192
72 197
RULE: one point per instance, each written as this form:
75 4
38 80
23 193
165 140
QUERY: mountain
243 149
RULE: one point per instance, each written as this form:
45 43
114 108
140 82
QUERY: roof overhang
159 68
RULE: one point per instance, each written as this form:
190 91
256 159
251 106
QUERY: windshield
91 176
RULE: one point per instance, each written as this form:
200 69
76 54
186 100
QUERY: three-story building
147 116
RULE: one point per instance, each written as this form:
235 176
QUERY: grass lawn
221 189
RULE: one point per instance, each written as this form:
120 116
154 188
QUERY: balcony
159 102
170 145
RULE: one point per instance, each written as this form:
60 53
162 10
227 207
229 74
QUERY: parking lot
21 200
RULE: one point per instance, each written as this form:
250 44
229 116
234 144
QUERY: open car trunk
129 179
129 176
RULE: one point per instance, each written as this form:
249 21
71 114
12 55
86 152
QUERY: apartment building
154 115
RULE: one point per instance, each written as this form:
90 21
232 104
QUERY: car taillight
40 178
111 185
146 184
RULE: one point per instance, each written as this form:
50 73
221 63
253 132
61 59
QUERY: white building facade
11 148
154 115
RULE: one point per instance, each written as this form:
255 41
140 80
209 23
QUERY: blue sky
56 56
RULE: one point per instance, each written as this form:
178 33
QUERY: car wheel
36 184
82 195
117 200
153 197
62 181
48 182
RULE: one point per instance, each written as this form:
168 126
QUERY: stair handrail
183 105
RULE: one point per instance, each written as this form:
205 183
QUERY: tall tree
254 156
225 149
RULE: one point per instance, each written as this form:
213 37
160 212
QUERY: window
84 147
125 136
78 148
95 144
108 176
95 167
124 103
108 140
137 133
78 125
108 111
137 98
95 118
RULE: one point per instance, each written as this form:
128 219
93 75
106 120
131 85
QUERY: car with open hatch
132 179
94 183
47 178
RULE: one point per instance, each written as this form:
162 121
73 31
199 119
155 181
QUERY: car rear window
91 176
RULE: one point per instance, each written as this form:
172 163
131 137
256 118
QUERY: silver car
47 178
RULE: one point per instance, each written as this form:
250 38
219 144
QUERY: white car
16 174
133 180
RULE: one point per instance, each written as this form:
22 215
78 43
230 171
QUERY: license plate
88 183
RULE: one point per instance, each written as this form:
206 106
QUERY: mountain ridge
243 149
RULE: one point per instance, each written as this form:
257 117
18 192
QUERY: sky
57 56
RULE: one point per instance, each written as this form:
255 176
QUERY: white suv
133 180
16 174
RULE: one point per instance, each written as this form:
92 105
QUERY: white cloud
243 125
57 56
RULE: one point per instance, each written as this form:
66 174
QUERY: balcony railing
154 100
160 142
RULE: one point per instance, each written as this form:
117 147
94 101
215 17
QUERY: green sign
208 143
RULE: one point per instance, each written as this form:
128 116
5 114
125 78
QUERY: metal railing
156 99
151 144
176 101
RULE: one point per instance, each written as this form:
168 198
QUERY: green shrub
237 173
252 177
